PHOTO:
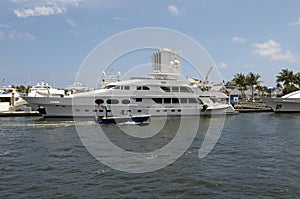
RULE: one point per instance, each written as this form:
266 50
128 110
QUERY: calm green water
257 156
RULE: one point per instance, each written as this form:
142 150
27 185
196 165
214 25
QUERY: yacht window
175 100
166 89
183 100
142 88
157 100
179 110
126 87
173 110
139 111
167 100
99 101
138 99
157 110
192 100
100 110
125 101
185 89
109 86
175 89
4 99
112 101
117 87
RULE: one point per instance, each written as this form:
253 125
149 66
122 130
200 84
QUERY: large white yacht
163 93
44 90
287 103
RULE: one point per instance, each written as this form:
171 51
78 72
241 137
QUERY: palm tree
252 80
239 80
287 77
297 79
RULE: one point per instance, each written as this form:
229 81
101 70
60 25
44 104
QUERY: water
257 156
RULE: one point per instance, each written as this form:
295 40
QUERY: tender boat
286 104
136 119
163 93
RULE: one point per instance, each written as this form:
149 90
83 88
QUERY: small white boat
10 99
286 104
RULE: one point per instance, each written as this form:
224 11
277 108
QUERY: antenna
207 74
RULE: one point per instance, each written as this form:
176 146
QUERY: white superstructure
287 103
163 93
44 90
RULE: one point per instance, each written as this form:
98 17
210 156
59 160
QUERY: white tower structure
166 63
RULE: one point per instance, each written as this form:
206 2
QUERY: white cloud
38 11
238 39
273 50
223 65
2 35
294 23
173 10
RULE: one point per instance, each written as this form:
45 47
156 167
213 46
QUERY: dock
19 113
247 107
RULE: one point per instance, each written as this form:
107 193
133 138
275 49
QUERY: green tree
288 79
297 79
239 80
252 80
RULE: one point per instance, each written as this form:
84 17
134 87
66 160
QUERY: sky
49 39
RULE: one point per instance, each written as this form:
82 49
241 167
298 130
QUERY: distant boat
45 90
10 99
286 104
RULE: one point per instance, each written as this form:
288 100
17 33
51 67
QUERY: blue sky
49 39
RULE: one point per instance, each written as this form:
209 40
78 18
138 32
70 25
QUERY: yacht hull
85 107
283 105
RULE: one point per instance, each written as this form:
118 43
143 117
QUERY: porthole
112 101
99 101
125 101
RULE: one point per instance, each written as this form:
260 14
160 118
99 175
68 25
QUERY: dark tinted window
192 100
125 101
157 100
167 100
112 101
175 100
99 101
166 89
185 90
